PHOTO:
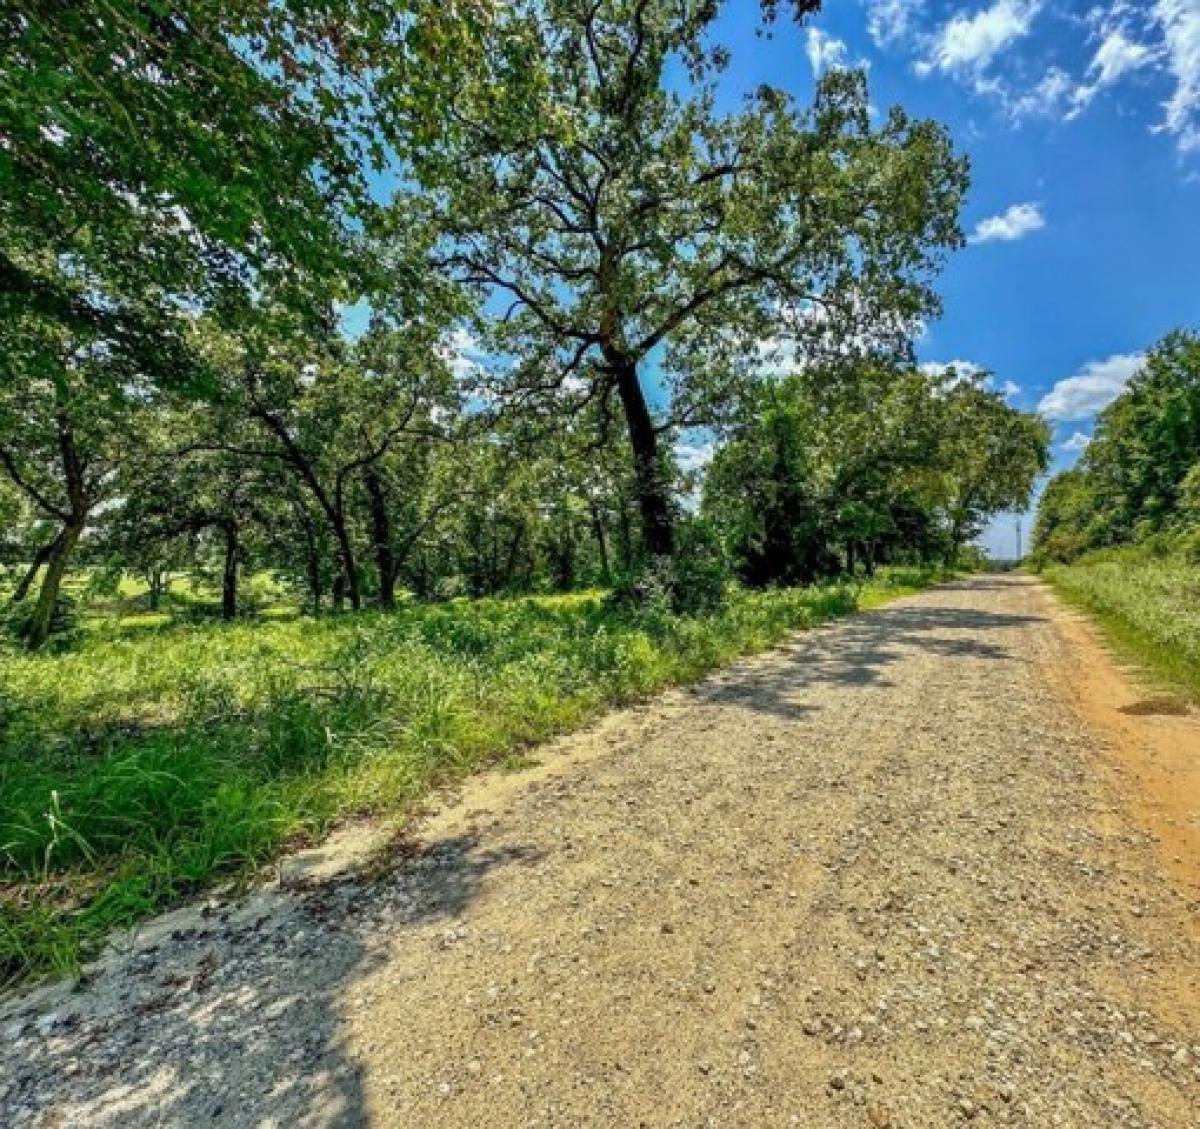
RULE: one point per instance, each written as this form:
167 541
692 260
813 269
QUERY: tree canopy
870 464
614 218
1139 476
379 299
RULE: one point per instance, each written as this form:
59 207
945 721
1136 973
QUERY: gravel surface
879 877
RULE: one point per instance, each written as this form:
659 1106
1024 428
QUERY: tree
161 161
833 468
992 455
61 439
159 157
1138 476
1065 512
205 500
327 413
617 220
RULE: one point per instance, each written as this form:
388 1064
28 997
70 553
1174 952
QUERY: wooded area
1138 481
379 299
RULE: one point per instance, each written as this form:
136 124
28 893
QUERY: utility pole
1018 540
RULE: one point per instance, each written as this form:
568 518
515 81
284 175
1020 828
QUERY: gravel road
882 876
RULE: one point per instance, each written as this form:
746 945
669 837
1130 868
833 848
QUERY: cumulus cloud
1016 222
825 52
1096 385
891 21
1180 24
1116 56
1010 388
693 457
968 43
1077 442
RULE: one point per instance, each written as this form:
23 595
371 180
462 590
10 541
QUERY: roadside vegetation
1148 600
385 387
146 763
1119 535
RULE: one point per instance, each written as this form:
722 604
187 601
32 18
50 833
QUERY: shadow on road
233 1017
859 651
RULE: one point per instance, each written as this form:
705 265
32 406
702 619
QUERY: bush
64 622
693 581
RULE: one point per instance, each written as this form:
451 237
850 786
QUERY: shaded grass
148 763
1148 604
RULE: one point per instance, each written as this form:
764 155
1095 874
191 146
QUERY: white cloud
970 43
1180 23
963 370
1077 442
1015 223
1010 389
825 52
464 354
1116 56
1091 389
1055 89
891 21
693 457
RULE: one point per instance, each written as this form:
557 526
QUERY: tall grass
146 763
1149 603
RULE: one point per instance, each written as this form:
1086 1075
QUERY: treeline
1138 481
829 472
384 296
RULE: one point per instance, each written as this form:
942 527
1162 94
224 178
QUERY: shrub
693 581
64 621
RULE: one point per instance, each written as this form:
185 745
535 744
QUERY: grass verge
1149 605
145 764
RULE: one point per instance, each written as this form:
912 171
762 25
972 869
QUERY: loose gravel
877 877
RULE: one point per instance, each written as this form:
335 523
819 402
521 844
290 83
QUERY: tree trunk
312 563
654 504
155 589
601 543
381 532
38 630
349 570
511 559
850 560
229 578
625 528
26 582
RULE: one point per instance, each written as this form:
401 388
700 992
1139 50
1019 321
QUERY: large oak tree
617 220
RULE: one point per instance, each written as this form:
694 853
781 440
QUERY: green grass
1148 604
146 763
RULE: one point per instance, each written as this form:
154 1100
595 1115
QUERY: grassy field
150 760
1150 605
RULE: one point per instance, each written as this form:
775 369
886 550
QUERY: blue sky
1083 128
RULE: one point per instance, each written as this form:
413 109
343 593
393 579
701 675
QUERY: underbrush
143 765
1148 601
